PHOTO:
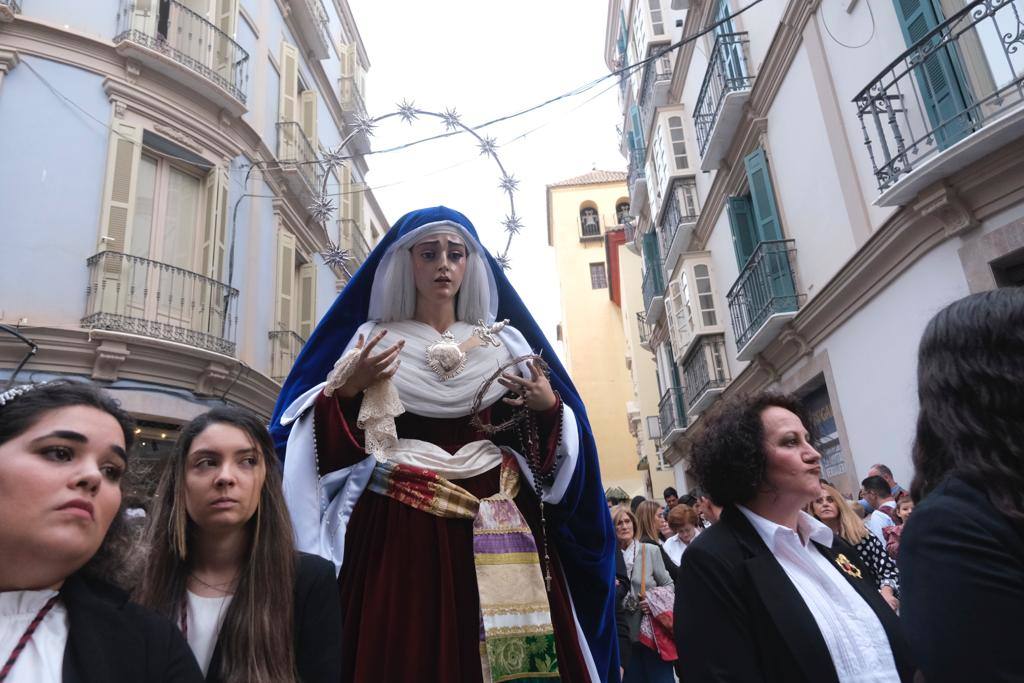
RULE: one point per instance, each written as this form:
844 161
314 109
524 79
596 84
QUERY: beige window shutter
307 300
346 199
285 280
215 225
287 111
308 109
123 156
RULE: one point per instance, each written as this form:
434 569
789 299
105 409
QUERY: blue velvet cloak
580 525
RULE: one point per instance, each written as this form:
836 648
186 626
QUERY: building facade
811 182
585 227
160 159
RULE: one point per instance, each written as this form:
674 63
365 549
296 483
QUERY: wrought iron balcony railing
284 349
705 369
680 208
636 168
590 228
653 284
959 76
293 147
188 38
658 71
727 72
136 295
671 413
765 287
643 329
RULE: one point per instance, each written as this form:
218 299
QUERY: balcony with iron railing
183 45
590 228
643 330
300 165
953 97
705 372
310 17
653 288
678 218
723 94
636 178
764 297
8 10
139 296
284 349
654 85
672 416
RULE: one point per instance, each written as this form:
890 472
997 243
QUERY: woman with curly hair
63 455
962 551
831 510
769 593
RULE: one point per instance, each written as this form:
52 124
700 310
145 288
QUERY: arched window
622 211
590 223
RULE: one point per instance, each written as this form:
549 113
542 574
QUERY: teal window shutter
762 197
941 76
638 129
744 232
622 34
652 258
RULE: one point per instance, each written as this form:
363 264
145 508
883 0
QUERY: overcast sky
487 59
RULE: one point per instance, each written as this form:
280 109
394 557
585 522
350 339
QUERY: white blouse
205 617
42 660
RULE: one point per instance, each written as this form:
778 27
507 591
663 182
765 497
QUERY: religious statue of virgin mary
449 476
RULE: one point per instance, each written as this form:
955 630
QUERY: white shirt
879 520
675 548
42 660
852 632
629 556
205 616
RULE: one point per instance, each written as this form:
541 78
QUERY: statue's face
439 264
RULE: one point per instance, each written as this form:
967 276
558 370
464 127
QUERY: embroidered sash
517 638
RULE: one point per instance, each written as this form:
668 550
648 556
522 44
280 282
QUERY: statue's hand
371 368
535 393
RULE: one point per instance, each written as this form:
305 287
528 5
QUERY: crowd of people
359 559
784 578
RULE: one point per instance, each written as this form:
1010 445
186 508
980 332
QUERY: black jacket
739 618
317 631
111 640
962 587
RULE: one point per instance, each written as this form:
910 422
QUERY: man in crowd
879 494
709 512
671 500
884 472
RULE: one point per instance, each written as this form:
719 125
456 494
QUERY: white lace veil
393 296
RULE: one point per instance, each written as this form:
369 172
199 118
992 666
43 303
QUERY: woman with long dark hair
222 562
63 454
962 552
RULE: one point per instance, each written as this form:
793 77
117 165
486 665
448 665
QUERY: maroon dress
410 605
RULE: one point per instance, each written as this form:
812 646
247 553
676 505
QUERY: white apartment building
812 180
160 158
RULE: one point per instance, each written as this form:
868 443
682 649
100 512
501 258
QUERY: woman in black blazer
222 562
768 593
962 551
63 451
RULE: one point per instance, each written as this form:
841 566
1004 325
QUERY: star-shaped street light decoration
336 257
512 224
509 184
407 110
488 145
321 208
504 261
451 119
335 157
364 125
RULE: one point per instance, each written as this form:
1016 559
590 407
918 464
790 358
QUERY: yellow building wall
592 331
643 380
